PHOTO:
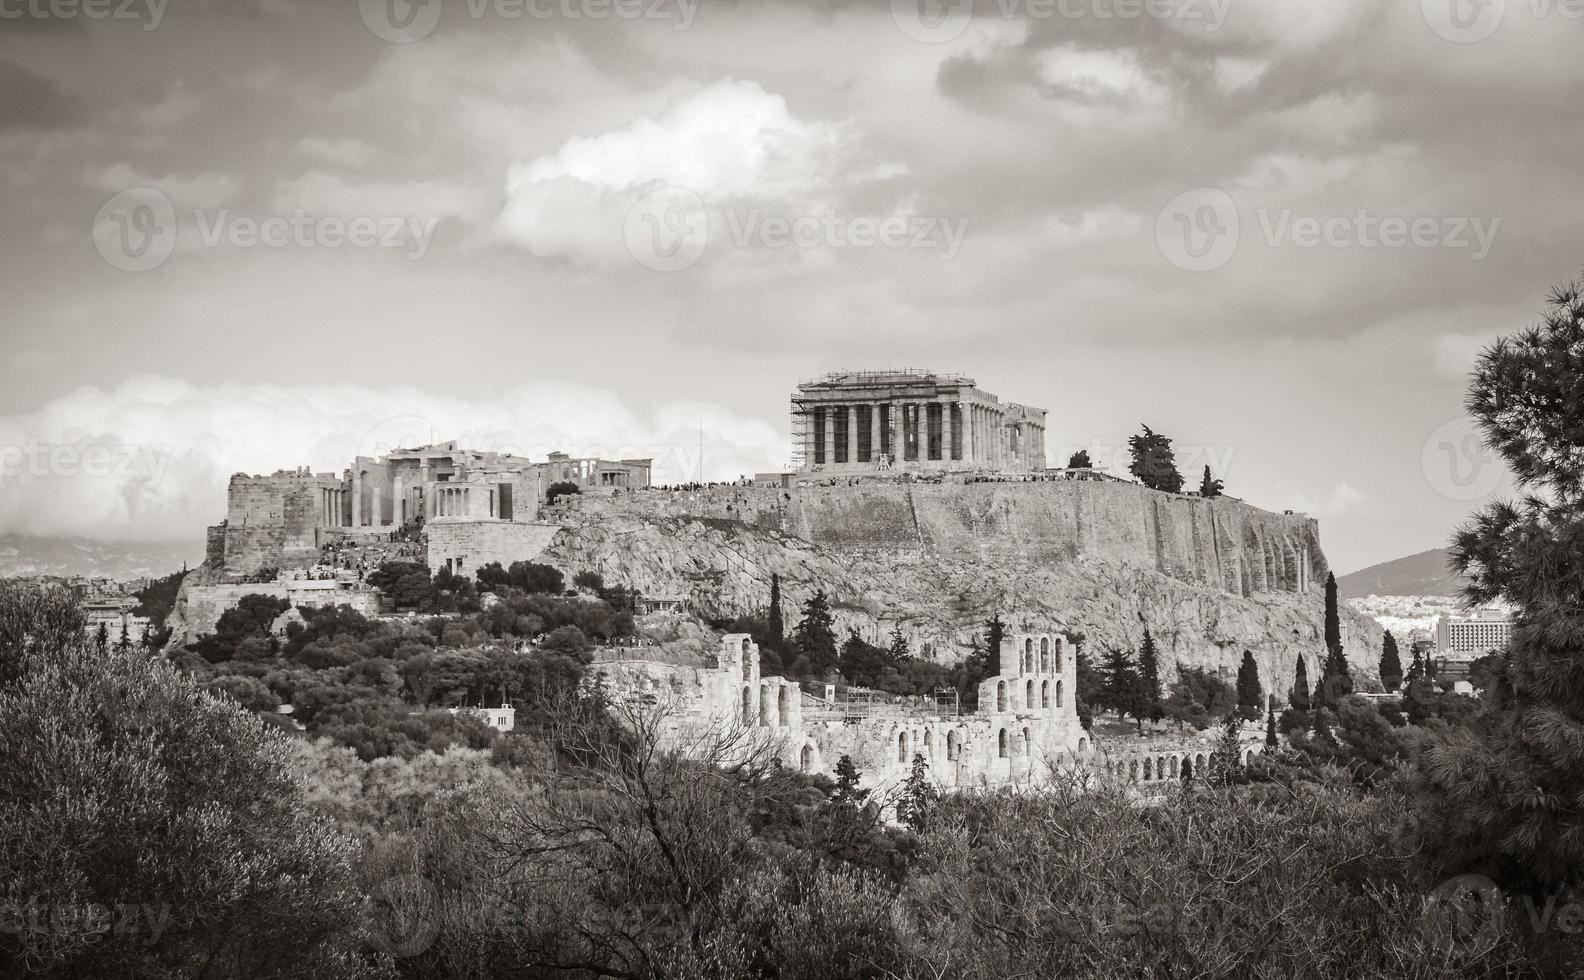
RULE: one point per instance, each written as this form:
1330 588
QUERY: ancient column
397 500
874 433
830 434
852 433
965 412
357 498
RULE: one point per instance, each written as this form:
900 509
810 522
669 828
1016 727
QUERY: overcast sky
249 236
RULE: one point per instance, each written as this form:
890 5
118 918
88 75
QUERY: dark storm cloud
33 102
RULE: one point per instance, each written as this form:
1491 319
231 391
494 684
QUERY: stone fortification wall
1221 544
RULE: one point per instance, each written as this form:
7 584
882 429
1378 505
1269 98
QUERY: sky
244 236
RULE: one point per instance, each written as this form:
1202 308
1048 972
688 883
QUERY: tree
102 638
1336 679
1121 690
1090 683
1199 698
561 488
899 651
124 785
1299 698
774 619
1187 771
1271 741
918 796
1391 671
1226 762
1154 463
815 635
995 636
1529 553
1209 487
1080 461
1149 679
1249 693
847 790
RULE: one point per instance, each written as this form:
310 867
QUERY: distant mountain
24 556
1424 574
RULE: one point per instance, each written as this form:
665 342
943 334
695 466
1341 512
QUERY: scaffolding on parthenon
888 376
800 425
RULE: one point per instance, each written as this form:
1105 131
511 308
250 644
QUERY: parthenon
909 419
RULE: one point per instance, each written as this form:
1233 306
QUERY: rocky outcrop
1209 579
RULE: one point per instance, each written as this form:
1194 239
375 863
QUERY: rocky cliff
1210 579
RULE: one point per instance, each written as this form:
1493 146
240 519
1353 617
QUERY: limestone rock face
1208 579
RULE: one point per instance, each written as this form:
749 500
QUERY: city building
1474 635
911 420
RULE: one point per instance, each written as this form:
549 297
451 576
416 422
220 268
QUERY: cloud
149 458
1342 499
205 190
728 142
322 193
33 102
346 152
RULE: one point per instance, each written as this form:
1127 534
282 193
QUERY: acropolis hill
934 510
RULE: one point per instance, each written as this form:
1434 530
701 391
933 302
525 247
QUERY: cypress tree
1300 692
1336 680
1225 762
847 790
1149 679
1249 692
1210 488
1121 688
1270 728
1391 671
773 618
995 636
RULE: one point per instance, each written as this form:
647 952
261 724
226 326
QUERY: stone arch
1001 704
747 664
952 748
929 742
1044 694
1001 738
1133 770
1083 745
784 705
1149 769
806 758
1028 700
1199 763
764 708
1058 694
747 705
1028 742
1174 767
1028 653
1044 654
1160 767
902 746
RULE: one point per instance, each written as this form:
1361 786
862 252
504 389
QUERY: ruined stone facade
1027 722
285 519
911 421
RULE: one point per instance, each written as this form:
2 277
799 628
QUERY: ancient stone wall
468 545
1221 544
199 607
